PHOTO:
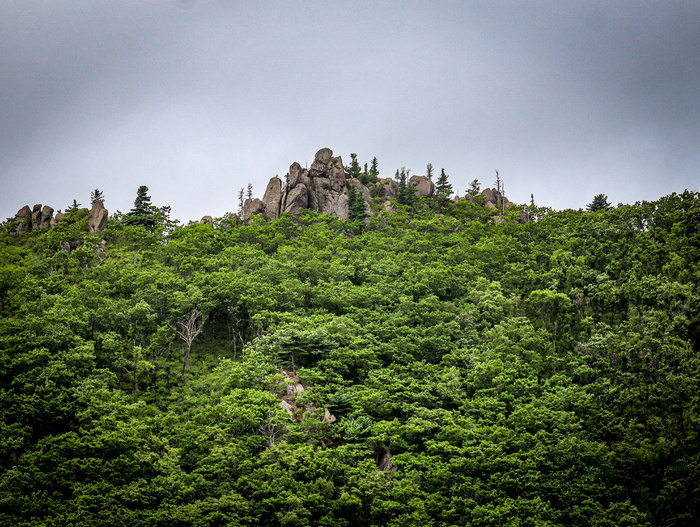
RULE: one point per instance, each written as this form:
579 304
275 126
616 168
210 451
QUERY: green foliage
425 369
146 215
443 190
600 202
96 195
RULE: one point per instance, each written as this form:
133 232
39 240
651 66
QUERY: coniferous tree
474 187
357 208
600 202
374 170
96 195
429 171
443 189
73 208
353 169
249 194
144 214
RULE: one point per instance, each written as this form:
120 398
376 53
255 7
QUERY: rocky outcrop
40 217
321 188
296 199
24 219
252 206
390 187
494 199
272 198
424 187
97 218
206 220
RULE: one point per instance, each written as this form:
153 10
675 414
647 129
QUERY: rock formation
321 188
424 187
39 217
97 219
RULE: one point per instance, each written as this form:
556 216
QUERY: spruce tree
374 171
144 214
600 202
96 195
443 189
357 208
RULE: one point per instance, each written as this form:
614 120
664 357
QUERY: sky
198 98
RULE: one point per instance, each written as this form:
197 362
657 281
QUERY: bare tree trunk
188 331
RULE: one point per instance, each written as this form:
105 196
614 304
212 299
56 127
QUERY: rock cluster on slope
40 217
322 188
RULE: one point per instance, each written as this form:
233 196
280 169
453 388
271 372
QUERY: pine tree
73 208
249 194
429 171
600 202
407 192
357 208
144 214
474 187
374 171
443 189
96 195
353 169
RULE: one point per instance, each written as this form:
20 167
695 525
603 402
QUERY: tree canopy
429 369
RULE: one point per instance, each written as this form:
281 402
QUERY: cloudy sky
196 98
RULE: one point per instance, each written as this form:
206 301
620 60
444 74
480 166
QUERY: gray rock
391 187
58 218
36 217
294 173
337 175
97 218
272 198
328 417
321 165
424 187
360 187
297 199
323 156
489 196
206 220
524 217
24 219
46 216
252 206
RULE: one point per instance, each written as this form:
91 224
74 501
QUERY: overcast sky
196 98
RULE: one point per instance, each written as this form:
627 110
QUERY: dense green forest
420 367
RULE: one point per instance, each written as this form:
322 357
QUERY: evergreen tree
144 214
407 192
357 208
443 189
374 171
96 195
600 202
249 195
429 171
73 208
474 187
353 169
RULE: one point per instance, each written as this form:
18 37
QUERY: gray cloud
197 98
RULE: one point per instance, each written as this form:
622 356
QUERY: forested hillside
418 368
